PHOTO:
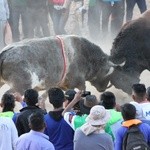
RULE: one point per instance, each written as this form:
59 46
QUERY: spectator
77 14
108 100
139 96
69 94
35 139
94 13
4 16
92 133
59 132
129 113
31 99
130 6
115 10
7 104
8 134
59 11
38 16
139 113
18 11
82 107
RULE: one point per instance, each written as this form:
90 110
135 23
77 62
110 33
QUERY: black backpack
134 139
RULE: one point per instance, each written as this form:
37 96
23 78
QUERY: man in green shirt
108 100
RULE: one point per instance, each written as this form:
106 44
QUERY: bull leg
19 82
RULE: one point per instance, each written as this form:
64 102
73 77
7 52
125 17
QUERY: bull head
101 80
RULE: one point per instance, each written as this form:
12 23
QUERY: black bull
66 62
132 45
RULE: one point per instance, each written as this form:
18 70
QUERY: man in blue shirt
58 130
35 139
129 113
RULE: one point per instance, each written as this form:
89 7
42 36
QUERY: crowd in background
77 121
32 18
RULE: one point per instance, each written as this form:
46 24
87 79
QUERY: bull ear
116 65
111 70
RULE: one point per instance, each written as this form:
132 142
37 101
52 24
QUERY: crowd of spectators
77 121
36 18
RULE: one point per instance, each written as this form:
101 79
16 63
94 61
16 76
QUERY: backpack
134 139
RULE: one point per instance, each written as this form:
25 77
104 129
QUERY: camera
85 93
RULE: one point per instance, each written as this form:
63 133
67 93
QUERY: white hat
139 111
98 116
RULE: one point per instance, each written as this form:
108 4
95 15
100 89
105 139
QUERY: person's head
69 96
148 93
36 121
98 116
31 97
56 97
138 92
7 102
108 100
87 103
128 111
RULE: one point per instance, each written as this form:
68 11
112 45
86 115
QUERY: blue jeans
130 6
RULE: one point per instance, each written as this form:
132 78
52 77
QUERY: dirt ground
120 95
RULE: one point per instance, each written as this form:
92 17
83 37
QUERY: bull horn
109 86
111 70
115 65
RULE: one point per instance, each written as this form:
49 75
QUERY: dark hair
69 94
31 97
139 90
8 102
128 111
108 100
36 121
56 97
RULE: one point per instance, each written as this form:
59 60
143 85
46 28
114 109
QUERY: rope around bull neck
64 58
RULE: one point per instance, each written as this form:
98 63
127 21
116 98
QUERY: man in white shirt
8 134
139 96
